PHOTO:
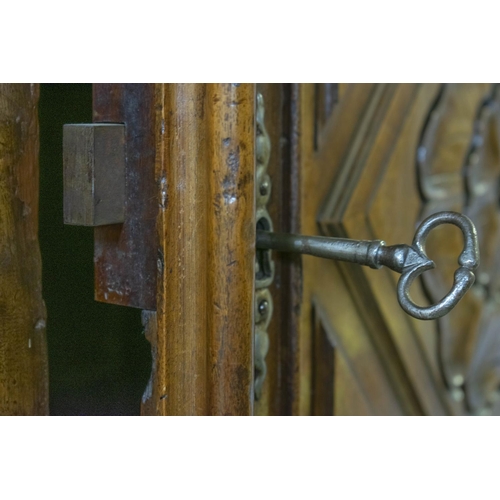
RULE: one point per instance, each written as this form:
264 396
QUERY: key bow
416 263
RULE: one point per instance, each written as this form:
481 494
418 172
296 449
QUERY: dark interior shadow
99 360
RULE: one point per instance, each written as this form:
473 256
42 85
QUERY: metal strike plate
94 174
110 184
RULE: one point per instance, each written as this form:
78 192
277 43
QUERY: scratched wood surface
23 354
203 341
344 162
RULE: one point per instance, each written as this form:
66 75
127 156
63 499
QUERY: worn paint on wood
23 352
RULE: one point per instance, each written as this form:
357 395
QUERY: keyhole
263 265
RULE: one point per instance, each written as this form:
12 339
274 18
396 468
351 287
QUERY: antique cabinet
236 330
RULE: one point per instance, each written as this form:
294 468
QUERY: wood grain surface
203 355
23 351
359 373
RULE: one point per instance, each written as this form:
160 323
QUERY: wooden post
203 346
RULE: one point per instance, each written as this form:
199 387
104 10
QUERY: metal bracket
110 184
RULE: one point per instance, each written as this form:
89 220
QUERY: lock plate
264 265
125 256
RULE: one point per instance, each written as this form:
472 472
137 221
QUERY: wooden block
94 174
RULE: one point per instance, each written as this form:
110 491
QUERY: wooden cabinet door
371 161
240 331
182 247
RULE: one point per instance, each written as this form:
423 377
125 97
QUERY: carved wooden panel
459 168
371 197
371 165
390 156
337 387
360 131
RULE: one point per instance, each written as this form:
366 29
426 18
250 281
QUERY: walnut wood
336 387
324 382
349 210
324 285
206 229
125 254
326 97
344 161
459 169
301 170
23 351
360 180
376 159
370 374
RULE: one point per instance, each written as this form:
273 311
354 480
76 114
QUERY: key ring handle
464 275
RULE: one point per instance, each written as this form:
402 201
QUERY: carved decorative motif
264 266
458 164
